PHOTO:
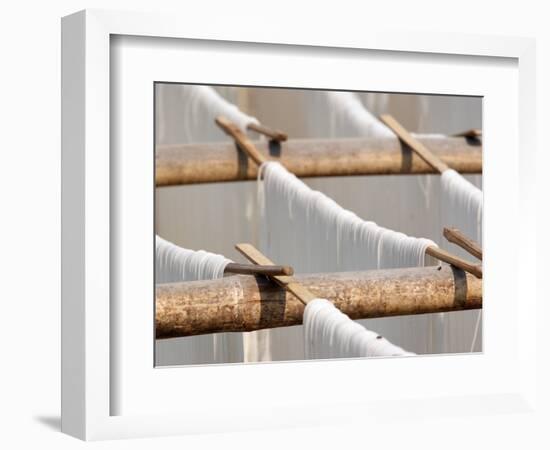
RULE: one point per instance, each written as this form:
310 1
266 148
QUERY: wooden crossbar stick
241 139
254 269
275 135
418 147
442 255
472 133
455 236
287 282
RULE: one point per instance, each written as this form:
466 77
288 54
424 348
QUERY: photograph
308 224
265 227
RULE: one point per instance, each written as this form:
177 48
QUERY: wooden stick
414 143
222 161
241 139
244 303
274 135
442 255
254 269
286 282
472 133
455 236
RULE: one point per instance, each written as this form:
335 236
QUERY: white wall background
30 186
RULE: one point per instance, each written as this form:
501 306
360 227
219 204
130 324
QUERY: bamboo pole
222 161
244 303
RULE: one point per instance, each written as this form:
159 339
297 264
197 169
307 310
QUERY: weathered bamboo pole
219 162
243 303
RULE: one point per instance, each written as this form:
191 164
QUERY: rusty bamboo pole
222 161
244 303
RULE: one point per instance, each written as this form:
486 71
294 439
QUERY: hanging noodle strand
329 333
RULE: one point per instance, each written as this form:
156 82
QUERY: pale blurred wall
288 108
216 216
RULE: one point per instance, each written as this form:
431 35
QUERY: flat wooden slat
471 133
414 143
455 236
287 282
245 303
241 139
449 258
254 269
275 135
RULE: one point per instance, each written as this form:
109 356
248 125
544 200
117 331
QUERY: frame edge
73 84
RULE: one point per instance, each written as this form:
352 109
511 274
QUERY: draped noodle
174 263
329 333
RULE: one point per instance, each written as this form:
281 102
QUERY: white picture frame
110 388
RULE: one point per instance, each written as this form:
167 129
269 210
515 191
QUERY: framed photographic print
246 209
